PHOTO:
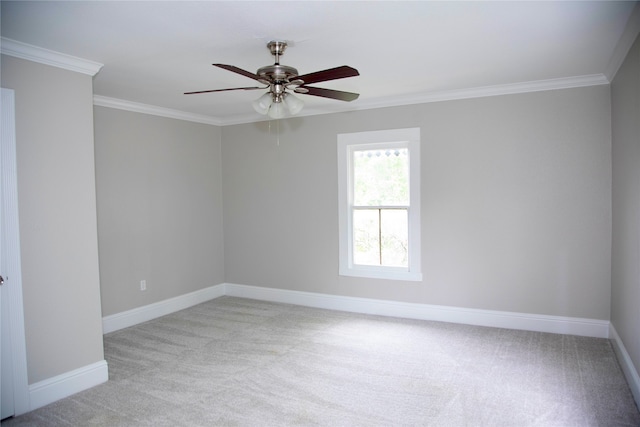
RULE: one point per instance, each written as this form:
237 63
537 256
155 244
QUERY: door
14 386
6 367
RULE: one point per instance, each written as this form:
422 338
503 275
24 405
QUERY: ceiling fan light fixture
277 105
277 110
293 103
262 104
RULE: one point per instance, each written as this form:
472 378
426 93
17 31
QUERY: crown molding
136 107
48 57
422 98
631 31
485 91
446 95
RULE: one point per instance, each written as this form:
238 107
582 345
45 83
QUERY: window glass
381 177
381 237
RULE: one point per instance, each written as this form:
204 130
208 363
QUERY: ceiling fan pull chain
277 131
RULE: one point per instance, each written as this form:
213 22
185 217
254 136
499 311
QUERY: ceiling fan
282 81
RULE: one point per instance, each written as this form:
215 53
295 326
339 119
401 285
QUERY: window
379 202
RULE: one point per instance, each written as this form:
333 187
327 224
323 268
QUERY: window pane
366 241
381 177
380 237
395 238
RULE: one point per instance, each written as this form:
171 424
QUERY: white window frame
347 144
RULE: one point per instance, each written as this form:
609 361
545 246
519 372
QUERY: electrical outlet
143 285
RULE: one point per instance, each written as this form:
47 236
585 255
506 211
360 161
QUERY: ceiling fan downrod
277 48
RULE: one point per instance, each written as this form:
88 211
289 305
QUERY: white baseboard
50 390
630 372
61 386
138 315
499 319
44 391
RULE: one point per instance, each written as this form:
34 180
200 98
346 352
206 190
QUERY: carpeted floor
241 362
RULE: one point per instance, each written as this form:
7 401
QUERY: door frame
11 256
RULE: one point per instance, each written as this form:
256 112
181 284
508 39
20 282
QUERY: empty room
365 213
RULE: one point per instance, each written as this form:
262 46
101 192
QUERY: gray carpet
241 362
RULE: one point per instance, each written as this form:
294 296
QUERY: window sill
381 274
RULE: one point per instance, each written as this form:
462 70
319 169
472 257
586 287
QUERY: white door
14 390
6 367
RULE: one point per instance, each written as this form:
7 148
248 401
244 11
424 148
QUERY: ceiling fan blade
240 71
330 74
330 93
224 90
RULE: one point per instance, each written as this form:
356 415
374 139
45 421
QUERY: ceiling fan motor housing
277 77
277 73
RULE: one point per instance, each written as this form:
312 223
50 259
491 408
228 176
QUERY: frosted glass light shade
277 110
262 104
293 103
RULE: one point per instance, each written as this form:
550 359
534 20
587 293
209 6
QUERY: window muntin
379 204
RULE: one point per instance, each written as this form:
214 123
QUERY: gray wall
625 286
57 213
159 207
516 203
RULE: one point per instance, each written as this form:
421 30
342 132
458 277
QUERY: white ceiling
406 52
